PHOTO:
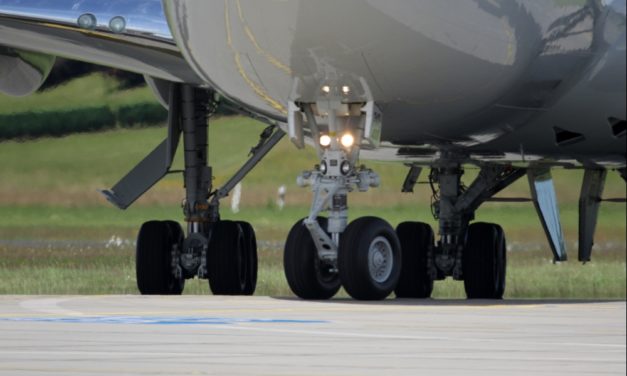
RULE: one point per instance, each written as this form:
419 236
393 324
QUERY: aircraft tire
485 261
250 255
369 259
226 259
416 240
307 277
153 258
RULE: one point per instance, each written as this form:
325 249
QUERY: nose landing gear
365 255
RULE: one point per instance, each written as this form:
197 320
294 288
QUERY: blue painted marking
154 320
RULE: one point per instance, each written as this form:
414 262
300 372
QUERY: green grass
98 269
48 193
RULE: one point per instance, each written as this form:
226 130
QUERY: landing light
347 140
326 89
346 89
325 140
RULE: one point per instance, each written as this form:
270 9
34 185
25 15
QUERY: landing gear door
372 126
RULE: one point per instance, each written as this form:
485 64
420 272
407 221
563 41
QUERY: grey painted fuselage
495 80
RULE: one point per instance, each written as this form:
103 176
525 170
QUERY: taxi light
347 140
325 140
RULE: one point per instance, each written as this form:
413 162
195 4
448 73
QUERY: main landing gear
224 252
472 252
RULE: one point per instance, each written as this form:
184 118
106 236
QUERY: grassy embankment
48 196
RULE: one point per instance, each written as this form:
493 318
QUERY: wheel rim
380 259
324 272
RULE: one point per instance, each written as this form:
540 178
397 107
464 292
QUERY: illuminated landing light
117 24
87 21
347 140
346 90
325 140
326 89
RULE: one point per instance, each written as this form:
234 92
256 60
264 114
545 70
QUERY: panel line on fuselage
257 88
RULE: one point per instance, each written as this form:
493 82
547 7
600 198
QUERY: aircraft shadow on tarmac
457 302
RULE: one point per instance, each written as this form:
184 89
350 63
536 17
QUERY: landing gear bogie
225 252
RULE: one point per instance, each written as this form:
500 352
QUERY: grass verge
98 269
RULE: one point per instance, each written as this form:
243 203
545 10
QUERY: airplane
513 87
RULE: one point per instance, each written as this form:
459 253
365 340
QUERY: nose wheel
307 275
369 259
368 262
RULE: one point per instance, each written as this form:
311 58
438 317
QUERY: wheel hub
380 259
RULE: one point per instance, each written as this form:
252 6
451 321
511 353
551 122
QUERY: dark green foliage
29 125
65 70
142 113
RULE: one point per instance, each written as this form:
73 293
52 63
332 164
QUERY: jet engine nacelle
23 72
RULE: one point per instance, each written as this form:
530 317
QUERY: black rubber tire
250 254
177 236
226 261
417 240
485 261
153 259
353 260
306 276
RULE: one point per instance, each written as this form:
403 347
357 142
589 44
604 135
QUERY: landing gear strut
225 252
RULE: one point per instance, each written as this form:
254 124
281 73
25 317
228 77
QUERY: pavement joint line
163 320
417 338
158 355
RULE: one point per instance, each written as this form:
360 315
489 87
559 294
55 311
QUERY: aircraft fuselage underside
515 81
